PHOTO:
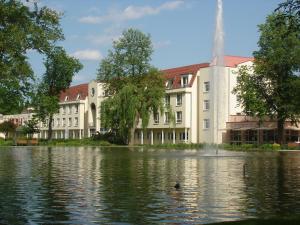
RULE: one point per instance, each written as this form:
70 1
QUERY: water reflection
136 186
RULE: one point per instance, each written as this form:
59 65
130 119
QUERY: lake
91 185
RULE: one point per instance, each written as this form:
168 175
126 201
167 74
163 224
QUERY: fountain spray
218 72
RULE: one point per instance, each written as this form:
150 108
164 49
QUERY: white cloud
131 13
88 54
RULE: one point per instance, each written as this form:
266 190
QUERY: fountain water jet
219 95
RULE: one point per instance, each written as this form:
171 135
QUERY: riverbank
91 142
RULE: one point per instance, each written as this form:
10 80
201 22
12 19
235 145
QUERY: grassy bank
92 142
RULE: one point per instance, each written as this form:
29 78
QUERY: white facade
200 96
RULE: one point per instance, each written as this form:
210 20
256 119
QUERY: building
199 95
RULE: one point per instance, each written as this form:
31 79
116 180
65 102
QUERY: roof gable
176 73
78 92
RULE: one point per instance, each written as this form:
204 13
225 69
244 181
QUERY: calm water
123 186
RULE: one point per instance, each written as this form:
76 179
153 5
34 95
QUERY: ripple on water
122 186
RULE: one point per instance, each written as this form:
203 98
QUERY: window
78 97
66 98
156 118
93 92
166 117
178 117
76 108
206 105
179 99
70 122
76 122
64 122
182 136
69 109
184 81
58 122
206 86
167 100
206 124
64 109
169 84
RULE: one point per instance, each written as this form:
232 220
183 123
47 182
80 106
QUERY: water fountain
219 94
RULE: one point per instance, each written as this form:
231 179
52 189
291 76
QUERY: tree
135 88
60 69
272 88
6 127
290 8
23 28
31 127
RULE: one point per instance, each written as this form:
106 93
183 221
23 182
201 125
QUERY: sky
181 30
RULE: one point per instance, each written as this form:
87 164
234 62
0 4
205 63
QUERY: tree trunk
131 138
280 129
50 128
132 131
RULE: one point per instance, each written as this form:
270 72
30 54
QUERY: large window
178 117
70 122
76 108
206 124
76 122
58 122
235 137
156 117
250 136
206 105
206 86
166 117
167 100
64 122
179 99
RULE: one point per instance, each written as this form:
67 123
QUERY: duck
177 185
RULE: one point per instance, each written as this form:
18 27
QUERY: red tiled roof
233 61
175 73
73 92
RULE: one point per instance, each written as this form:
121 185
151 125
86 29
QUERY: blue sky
181 30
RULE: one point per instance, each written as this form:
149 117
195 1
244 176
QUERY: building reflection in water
89 185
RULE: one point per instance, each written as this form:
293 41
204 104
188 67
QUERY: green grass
8 142
74 142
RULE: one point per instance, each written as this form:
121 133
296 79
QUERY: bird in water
177 185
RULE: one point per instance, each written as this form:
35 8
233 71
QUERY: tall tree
6 127
22 28
272 88
60 69
135 87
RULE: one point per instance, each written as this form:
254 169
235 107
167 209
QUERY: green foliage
273 87
136 88
7 127
75 142
31 127
22 29
60 69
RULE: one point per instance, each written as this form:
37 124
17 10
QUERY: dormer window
169 83
78 97
66 98
184 81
